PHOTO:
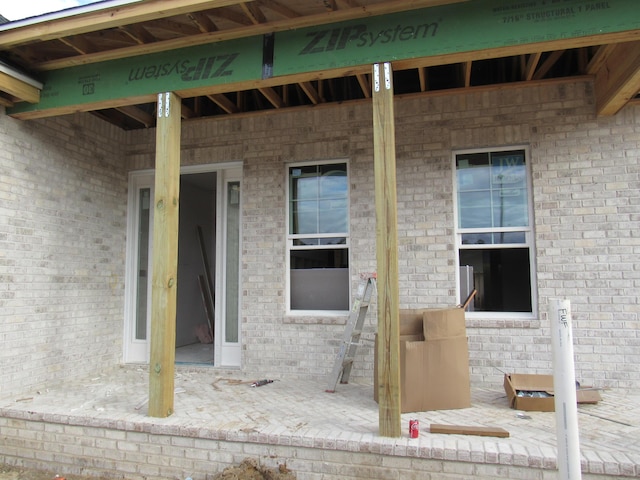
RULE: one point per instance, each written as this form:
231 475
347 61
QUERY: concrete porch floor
99 426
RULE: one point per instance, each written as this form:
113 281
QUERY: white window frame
529 232
291 237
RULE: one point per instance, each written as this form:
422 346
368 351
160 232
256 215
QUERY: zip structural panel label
202 65
447 29
464 27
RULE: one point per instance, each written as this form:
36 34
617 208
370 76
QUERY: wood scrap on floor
469 430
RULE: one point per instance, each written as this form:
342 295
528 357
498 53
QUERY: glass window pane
144 200
501 278
332 216
232 260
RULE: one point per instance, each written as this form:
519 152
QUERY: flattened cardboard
443 323
434 375
539 383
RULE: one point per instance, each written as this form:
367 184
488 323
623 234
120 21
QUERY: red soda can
414 428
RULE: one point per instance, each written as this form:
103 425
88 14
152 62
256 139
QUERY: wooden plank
384 165
618 80
18 88
467 430
165 257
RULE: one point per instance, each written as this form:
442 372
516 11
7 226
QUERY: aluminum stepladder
351 339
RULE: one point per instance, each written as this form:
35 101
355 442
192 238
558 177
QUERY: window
494 232
318 238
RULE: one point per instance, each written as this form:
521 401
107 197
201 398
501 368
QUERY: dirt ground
247 470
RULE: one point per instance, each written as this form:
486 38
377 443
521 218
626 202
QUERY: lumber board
469 430
164 282
384 166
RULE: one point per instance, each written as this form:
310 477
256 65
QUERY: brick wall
62 228
62 224
586 197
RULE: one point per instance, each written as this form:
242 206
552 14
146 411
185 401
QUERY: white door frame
138 350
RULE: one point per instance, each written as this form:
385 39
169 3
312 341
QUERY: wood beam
223 102
18 88
137 114
254 13
384 166
311 92
280 9
466 72
423 78
547 64
532 64
364 84
271 95
203 22
618 80
164 282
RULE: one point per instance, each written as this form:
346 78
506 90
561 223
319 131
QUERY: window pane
332 216
304 217
143 262
501 277
492 190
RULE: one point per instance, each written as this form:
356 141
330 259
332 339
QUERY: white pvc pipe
564 386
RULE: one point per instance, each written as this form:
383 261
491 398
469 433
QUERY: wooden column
165 257
384 163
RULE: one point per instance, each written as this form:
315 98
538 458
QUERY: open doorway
195 309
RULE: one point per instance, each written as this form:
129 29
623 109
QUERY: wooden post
384 160
165 257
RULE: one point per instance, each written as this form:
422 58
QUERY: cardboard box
443 323
543 400
434 374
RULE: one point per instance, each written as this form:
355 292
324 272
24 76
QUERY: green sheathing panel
456 28
204 65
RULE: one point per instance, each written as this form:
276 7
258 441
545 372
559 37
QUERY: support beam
384 165
164 283
618 80
18 88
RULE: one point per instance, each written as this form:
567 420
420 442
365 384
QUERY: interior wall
197 208
63 185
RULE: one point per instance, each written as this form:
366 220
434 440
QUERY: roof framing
120 31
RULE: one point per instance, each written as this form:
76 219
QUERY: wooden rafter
365 85
233 16
79 44
254 13
466 72
223 102
138 115
618 80
271 95
423 79
203 22
531 65
311 92
550 61
278 8
138 34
